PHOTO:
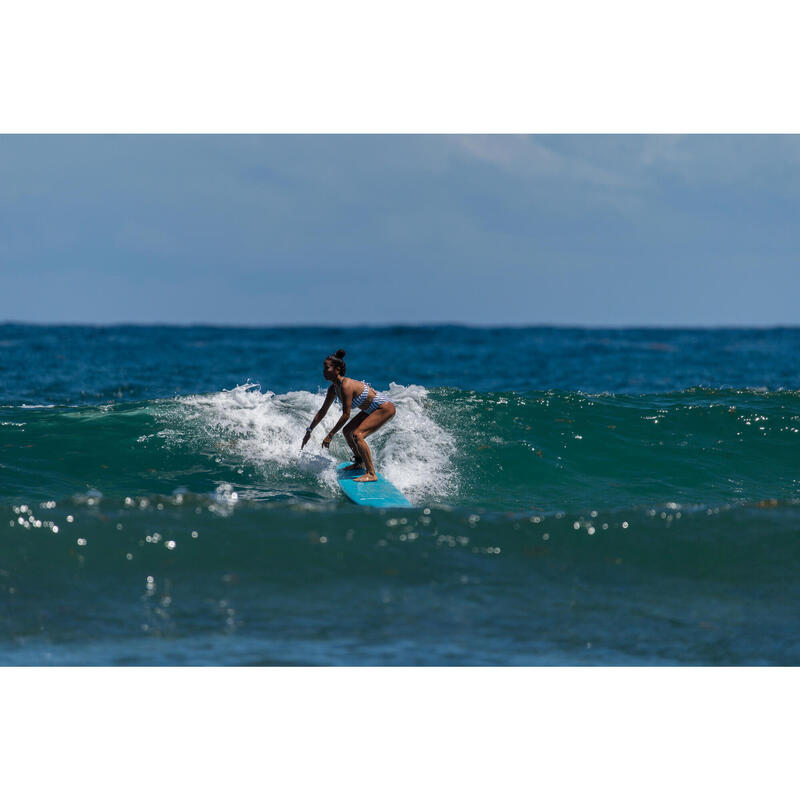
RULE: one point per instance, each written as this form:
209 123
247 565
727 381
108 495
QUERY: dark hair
337 359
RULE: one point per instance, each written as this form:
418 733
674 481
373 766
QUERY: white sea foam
264 431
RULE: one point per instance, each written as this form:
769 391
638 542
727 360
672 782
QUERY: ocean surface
581 497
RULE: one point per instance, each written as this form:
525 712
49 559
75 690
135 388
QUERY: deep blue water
580 497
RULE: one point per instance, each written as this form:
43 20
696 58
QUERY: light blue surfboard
380 493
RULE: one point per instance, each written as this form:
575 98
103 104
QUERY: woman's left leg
375 420
358 462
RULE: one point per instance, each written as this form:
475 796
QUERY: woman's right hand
305 439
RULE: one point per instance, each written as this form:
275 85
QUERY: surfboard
381 493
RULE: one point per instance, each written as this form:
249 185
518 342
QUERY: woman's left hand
326 442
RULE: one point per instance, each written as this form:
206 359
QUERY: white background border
399 733
470 67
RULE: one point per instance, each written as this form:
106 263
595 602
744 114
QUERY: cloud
528 157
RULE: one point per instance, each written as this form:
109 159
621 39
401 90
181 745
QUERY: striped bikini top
357 401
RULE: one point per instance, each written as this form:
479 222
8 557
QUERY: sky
485 230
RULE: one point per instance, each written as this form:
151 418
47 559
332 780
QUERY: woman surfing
375 411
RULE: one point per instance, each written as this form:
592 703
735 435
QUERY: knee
358 436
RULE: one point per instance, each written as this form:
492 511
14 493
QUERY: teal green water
501 451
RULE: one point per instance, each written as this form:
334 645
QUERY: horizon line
386 325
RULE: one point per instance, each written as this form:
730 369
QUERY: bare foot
368 478
354 465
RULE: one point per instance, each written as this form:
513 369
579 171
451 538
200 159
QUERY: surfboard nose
381 493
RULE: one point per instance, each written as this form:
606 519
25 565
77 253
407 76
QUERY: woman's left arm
347 402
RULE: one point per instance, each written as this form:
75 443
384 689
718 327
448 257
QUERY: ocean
581 497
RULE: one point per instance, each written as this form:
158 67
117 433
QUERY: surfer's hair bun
337 359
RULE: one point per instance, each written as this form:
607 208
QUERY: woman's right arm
319 416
